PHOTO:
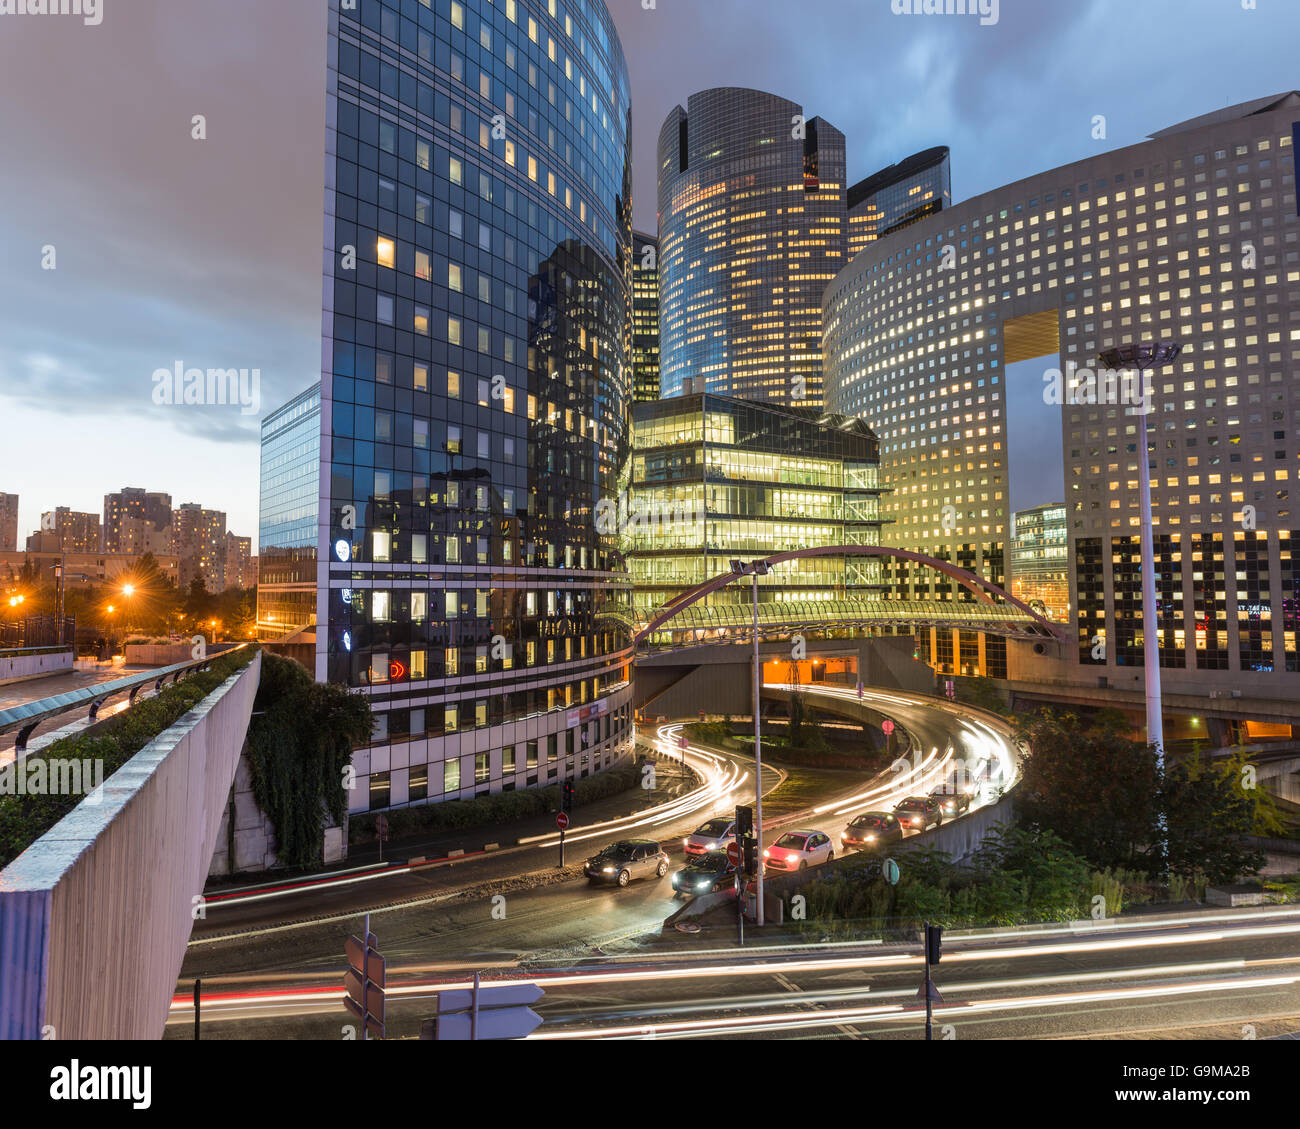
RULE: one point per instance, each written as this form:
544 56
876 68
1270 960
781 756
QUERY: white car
716 835
798 850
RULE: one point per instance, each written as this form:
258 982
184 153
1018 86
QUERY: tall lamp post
1145 358
755 570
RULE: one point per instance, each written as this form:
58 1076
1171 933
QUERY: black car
625 860
872 830
919 813
705 874
953 801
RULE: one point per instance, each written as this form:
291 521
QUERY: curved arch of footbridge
996 611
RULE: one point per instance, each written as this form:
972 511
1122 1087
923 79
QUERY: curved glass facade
752 226
476 391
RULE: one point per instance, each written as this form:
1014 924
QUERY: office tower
476 392
1038 565
899 196
137 521
716 478
1189 236
288 527
752 226
199 536
645 317
8 523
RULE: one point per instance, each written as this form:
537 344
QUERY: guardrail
27 717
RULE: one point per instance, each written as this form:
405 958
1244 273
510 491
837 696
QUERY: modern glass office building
1191 236
476 392
1038 566
645 317
899 196
716 478
288 525
751 232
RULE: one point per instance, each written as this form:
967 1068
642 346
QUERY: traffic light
567 802
933 943
744 822
749 855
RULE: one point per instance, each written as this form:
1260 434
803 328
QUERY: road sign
889 871
682 743
381 826
562 821
487 1013
733 853
508 995
501 1023
859 691
887 727
364 982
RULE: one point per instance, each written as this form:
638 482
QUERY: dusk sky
208 252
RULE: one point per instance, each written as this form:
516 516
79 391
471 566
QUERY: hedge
24 819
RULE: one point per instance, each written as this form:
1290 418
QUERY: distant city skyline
187 251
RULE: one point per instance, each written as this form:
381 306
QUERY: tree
1102 793
1094 788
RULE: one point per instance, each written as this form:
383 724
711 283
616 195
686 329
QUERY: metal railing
37 631
28 716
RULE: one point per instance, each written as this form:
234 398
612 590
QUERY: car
954 797
919 813
628 859
705 874
872 830
797 850
714 835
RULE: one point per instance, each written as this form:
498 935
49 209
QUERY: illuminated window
386 253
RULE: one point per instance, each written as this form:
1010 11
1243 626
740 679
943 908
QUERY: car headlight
710 846
703 885
686 842
609 870
871 838
791 858
767 854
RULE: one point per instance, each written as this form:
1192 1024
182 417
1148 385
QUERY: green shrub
24 819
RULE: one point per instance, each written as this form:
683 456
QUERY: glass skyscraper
645 317
898 197
751 231
290 502
476 391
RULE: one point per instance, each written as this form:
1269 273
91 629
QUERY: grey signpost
364 982
493 1012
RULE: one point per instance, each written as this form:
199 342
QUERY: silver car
626 860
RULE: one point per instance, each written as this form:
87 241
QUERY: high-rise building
64 530
1190 237
476 392
1039 568
200 539
899 196
8 523
645 317
239 570
137 521
715 478
289 528
752 220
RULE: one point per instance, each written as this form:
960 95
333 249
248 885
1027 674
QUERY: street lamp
1144 358
756 569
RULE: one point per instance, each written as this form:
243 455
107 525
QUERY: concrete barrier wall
19 668
166 654
95 916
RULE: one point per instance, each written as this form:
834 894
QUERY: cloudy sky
207 253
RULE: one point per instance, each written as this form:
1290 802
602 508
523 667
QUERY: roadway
1232 974
515 905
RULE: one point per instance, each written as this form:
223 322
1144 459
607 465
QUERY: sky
207 253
